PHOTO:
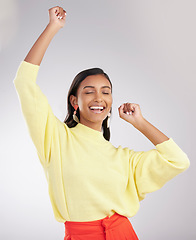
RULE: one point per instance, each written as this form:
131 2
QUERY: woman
93 186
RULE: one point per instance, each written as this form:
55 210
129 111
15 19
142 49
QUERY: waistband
96 226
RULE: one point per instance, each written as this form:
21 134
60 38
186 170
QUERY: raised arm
42 124
56 21
131 113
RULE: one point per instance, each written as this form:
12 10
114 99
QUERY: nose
98 97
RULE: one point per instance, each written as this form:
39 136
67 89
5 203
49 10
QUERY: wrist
141 124
53 27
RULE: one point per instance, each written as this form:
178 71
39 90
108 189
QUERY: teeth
96 107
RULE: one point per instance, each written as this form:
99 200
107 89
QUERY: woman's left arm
131 113
152 169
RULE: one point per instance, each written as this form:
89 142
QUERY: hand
131 113
57 16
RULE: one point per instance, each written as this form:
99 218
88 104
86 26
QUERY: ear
73 100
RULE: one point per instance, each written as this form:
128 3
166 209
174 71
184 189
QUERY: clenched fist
57 16
131 113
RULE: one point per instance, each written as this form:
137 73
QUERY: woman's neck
96 126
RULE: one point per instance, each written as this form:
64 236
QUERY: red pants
116 227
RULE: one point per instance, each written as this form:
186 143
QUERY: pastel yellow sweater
89 178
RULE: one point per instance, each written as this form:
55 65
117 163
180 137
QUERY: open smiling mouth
97 109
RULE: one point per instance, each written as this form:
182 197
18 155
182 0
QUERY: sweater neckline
89 132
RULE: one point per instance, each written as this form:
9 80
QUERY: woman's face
94 98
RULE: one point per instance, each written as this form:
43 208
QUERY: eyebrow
94 87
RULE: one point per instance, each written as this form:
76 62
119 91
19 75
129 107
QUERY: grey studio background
148 50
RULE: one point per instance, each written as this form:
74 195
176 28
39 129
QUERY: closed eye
93 92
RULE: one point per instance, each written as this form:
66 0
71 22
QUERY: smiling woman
93 186
90 90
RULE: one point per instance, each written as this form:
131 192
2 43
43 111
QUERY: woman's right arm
57 20
42 124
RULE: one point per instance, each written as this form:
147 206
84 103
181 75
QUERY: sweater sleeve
38 115
152 169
